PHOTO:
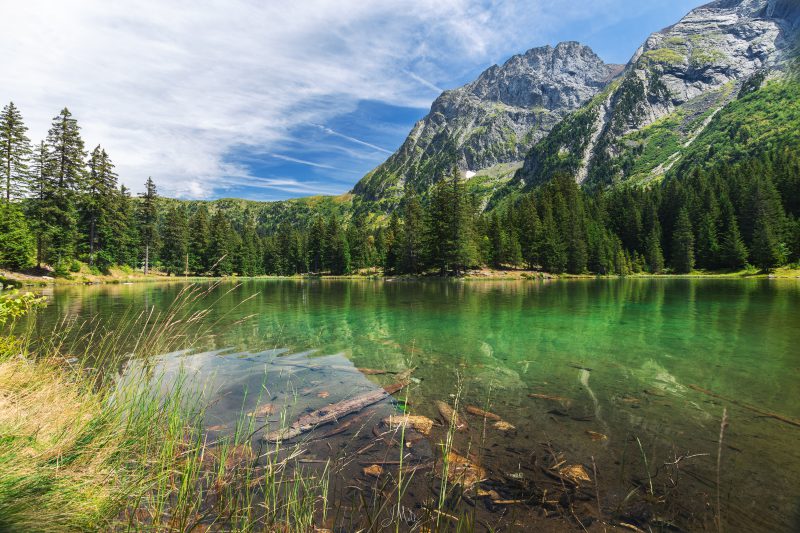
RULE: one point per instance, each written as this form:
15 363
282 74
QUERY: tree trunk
146 259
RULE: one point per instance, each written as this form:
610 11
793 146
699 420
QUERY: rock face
495 119
675 81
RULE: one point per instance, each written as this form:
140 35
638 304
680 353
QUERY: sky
269 100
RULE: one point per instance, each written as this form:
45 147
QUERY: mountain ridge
491 120
684 73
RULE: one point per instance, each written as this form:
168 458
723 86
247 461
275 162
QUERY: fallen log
769 414
332 413
471 409
560 399
450 416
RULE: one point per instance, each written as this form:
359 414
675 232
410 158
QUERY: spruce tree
125 230
174 241
707 241
683 243
40 187
64 170
438 238
251 249
733 252
530 231
412 241
148 222
15 153
16 240
392 245
98 204
220 249
552 249
199 241
337 249
316 245
764 249
653 253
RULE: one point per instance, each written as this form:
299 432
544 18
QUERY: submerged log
762 412
560 399
423 424
450 416
471 409
332 413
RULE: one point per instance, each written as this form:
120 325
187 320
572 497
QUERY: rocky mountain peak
493 120
549 77
686 72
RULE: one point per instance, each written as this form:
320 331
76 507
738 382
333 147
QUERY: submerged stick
332 413
776 416
719 464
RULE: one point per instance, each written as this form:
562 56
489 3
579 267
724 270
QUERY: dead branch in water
763 412
333 412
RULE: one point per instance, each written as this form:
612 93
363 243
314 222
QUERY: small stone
373 470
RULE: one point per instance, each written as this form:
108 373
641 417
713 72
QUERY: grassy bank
85 276
88 450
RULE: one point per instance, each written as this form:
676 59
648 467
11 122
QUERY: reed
95 439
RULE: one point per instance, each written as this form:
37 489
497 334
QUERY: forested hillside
733 200
688 160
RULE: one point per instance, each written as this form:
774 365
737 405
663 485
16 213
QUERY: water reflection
624 352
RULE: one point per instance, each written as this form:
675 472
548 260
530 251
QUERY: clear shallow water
623 352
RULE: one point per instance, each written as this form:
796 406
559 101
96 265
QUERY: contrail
424 82
351 139
304 162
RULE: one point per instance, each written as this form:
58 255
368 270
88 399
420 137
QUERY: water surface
628 355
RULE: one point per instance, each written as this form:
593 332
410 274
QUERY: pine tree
316 245
497 241
552 249
412 241
392 245
148 222
199 241
337 249
251 249
64 170
683 243
464 253
174 241
16 244
530 231
220 249
125 242
764 249
733 252
653 254
707 241
37 206
438 228
98 203
15 152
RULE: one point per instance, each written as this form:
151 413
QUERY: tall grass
93 436
89 441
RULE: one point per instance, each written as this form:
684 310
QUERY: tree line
63 206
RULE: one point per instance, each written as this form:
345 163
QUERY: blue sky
267 100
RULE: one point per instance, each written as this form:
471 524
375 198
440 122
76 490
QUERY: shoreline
10 279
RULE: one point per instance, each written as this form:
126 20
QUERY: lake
629 377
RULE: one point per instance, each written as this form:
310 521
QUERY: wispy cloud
424 82
171 89
351 139
304 162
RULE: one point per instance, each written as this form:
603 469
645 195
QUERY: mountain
491 121
645 122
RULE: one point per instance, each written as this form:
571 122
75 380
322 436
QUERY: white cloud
169 88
